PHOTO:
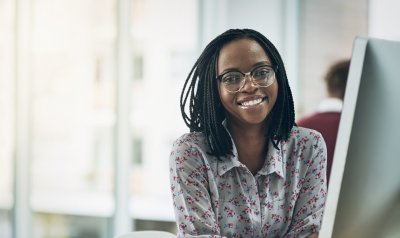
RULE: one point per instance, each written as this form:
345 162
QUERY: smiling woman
245 168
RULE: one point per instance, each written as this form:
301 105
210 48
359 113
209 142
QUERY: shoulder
305 142
190 149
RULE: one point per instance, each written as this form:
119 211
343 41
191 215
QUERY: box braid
205 114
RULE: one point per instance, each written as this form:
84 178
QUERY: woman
245 170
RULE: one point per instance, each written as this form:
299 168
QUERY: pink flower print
240 218
190 200
224 167
282 206
221 186
216 204
303 210
203 182
234 201
276 194
315 198
270 206
286 185
181 208
172 188
231 213
318 175
182 226
226 209
294 152
195 231
215 229
313 170
230 174
245 200
199 193
256 212
171 170
244 182
196 184
178 160
246 210
247 220
299 143
195 209
276 231
323 192
287 219
230 225
246 230
187 152
304 190
194 154
302 229
188 183
219 217
180 143
196 174
286 194
252 202
174 204
309 201
298 213
301 157
228 186
297 171
313 207
216 174
178 180
265 227
205 215
314 216
290 208
292 173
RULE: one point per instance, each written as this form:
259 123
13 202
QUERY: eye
231 78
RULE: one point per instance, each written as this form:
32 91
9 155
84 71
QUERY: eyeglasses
262 76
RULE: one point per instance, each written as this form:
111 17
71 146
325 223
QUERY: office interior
90 89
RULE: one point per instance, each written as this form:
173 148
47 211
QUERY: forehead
241 54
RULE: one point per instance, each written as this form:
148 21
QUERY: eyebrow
254 65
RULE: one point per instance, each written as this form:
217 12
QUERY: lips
250 98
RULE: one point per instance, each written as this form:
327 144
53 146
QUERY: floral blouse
221 197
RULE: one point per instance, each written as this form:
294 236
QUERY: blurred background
89 97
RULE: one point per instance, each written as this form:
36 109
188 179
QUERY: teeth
252 103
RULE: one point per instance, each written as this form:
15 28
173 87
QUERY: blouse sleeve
189 187
309 207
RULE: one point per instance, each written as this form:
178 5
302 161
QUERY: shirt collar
330 105
273 161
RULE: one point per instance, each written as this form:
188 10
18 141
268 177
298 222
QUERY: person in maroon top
326 119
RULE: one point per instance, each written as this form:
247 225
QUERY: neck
250 142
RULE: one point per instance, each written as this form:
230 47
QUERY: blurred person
245 169
326 119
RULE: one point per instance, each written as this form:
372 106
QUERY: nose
249 85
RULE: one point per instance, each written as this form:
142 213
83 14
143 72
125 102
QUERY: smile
252 102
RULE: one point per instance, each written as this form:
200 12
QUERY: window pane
73 51
60 226
164 42
7 113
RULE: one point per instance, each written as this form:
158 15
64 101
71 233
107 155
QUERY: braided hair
204 113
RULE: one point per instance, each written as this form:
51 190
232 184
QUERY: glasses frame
274 68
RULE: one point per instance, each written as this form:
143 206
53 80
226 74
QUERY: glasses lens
232 81
264 76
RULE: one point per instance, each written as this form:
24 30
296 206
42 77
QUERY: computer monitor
363 199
